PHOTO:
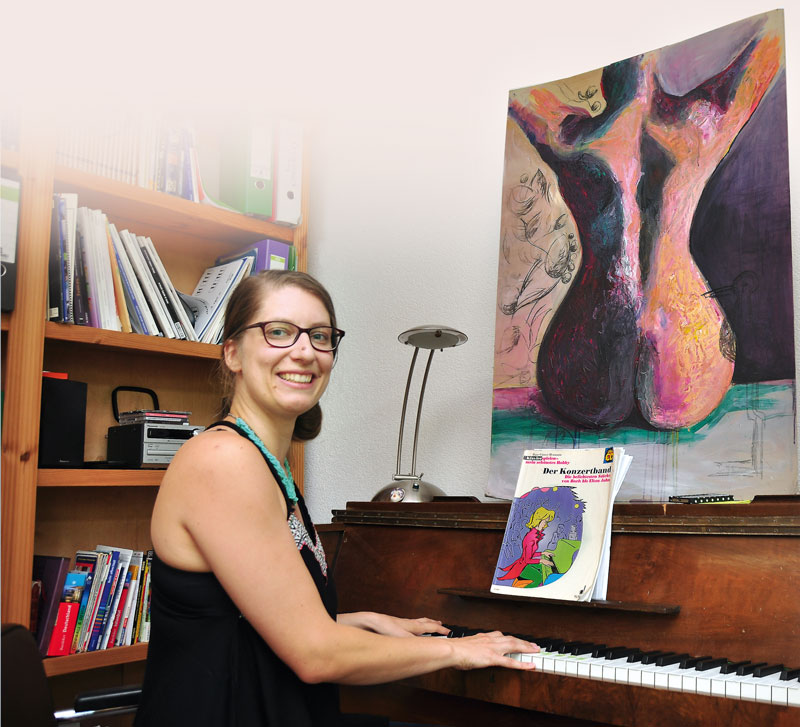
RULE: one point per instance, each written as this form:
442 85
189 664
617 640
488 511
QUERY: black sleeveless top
207 666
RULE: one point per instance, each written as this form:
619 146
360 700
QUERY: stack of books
114 279
101 602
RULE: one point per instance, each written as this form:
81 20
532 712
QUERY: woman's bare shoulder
216 454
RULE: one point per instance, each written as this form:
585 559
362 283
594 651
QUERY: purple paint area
741 241
684 66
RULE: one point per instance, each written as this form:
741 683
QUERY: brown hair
242 307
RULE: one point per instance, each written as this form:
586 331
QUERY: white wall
407 147
406 105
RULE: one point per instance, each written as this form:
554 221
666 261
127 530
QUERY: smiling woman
244 625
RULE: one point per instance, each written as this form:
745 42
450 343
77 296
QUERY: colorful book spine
104 603
67 618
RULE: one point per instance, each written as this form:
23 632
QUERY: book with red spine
67 617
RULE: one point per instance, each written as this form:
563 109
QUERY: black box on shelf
62 426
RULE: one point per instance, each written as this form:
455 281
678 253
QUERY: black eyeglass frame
338 335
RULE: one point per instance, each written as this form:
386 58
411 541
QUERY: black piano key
639 656
692 661
787 674
765 671
584 648
651 657
669 659
545 643
707 664
555 644
746 669
618 652
601 650
567 647
732 666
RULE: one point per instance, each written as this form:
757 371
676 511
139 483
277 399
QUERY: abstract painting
645 285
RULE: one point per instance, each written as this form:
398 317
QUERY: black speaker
62 427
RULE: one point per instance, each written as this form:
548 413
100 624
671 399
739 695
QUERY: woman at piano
244 627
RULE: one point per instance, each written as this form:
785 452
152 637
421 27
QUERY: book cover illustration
555 534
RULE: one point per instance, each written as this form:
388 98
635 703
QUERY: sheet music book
559 527
211 295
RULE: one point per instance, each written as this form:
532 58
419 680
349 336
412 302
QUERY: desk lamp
411 487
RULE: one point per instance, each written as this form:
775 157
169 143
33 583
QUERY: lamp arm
403 415
419 411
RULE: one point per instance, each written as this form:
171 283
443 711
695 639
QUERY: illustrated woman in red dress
530 546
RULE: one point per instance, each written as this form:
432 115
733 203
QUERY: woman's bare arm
220 510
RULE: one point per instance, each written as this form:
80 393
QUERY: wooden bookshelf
58 511
100 478
114 340
55 666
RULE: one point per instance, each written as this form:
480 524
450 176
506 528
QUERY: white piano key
733 687
611 666
596 667
584 668
649 675
550 659
703 683
635 673
780 693
662 675
689 681
747 690
675 681
764 687
573 665
719 682
793 693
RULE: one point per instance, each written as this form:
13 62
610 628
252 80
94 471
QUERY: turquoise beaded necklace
285 472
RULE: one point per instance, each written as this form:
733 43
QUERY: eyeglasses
282 334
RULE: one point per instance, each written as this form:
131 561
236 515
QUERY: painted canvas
645 287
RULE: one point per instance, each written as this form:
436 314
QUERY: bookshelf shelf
101 338
57 665
175 215
99 478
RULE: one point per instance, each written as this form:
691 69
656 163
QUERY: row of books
258 170
100 602
103 277
142 151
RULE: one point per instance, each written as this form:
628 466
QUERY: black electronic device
62 426
147 445
148 441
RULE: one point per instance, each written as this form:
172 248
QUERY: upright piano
717 580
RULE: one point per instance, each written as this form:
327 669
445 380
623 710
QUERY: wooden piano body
719 580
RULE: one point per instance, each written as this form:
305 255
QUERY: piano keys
709 587
761 682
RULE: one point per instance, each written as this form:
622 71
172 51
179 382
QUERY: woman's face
282 382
